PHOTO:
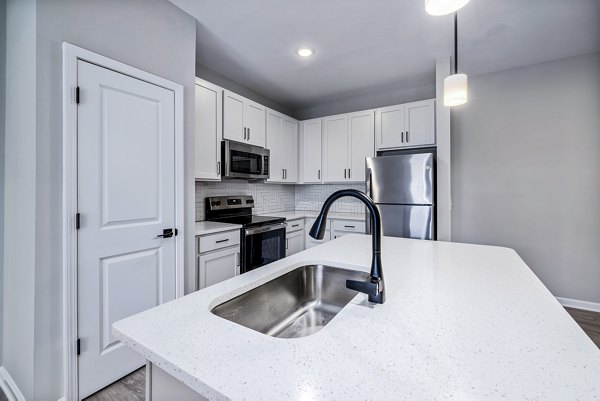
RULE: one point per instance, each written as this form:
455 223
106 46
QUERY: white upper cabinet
243 120
361 126
347 140
254 118
290 149
420 123
208 131
405 125
335 148
233 117
282 142
310 151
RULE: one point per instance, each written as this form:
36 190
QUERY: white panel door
389 127
311 151
254 120
335 148
290 149
209 130
233 117
362 143
218 266
126 197
275 145
420 123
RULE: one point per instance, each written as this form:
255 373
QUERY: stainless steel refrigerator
403 187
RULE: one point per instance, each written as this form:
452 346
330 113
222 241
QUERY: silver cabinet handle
319 174
349 176
221 241
285 169
244 133
286 243
344 174
218 168
402 137
349 227
248 133
282 174
237 259
407 137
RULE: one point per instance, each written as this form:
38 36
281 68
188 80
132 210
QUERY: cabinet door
294 243
217 266
420 123
254 120
362 143
275 145
310 158
335 148
290 149
389 127
209 130
233 117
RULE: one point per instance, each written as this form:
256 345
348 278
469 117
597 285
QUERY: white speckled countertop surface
461 322
300 214
212 227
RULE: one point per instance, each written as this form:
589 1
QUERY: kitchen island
461 321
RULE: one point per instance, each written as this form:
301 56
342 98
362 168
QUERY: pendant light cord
456 42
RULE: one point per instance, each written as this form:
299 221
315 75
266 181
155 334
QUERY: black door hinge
78 347
77 221
77 95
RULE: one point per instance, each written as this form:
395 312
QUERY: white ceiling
378 43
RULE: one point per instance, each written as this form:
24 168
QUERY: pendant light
455 86
443 7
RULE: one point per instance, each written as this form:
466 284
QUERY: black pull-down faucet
374 286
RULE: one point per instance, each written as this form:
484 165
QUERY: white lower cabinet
294 243
294 237
218 258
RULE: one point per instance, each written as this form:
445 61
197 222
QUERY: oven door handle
264 229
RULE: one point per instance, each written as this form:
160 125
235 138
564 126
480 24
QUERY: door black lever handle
167 233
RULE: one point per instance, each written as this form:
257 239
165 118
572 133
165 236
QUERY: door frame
70 56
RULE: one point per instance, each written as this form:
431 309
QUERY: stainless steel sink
296 304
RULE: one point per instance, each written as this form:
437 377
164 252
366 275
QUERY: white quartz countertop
461 322
212 227
301 214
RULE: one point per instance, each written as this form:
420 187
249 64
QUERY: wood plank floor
589 322
130 388
133 386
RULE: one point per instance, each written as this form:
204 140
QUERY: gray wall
20 192
152 35
368 98
525 170
226 83
2 105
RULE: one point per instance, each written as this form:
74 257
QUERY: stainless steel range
262 237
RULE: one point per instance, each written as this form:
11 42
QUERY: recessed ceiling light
305 52
443 7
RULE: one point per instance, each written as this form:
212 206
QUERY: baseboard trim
8 385
577 304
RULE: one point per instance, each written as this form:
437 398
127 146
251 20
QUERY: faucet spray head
317 231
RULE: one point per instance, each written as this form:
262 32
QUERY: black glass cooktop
250 220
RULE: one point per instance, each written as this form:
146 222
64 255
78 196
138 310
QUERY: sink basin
296 304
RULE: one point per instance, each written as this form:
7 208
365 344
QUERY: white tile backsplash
267 197
271 198
311 197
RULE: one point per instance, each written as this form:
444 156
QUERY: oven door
244 161
262 245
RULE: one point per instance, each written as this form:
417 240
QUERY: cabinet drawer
207 243
295 225
349 226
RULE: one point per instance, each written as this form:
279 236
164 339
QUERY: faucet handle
370 288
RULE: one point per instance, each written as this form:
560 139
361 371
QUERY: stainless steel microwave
244 161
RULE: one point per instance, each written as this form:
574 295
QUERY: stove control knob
218 203
213 203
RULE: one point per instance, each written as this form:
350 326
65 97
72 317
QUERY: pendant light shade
455 90
443 7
